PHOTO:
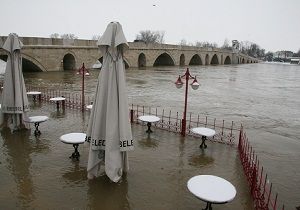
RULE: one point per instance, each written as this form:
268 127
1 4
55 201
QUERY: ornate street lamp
195 85
84 72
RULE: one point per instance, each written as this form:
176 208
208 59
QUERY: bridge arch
69 62
4 57
214 60
195 60
142 60
227 60
30 64
164 59
182 60
243 60
207 59
101 59
126 63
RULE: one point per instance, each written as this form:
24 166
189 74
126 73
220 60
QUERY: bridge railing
41 41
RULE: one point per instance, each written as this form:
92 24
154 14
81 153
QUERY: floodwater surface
263 97
37 173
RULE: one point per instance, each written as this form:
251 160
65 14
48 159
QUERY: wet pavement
37 173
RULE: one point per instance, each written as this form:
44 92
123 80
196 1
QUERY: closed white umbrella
14 97
109 129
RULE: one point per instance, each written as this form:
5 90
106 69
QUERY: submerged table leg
149 127
203 142
57 104
75 154
37 132
208 206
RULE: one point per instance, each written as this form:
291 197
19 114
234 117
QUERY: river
264 97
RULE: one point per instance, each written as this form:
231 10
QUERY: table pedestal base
208 206
203 142
75 154
57 105
149 128
37 132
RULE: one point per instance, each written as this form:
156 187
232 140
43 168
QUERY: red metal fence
171 121
73 100
260 187
225 132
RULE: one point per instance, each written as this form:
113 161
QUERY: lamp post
179 84
84 72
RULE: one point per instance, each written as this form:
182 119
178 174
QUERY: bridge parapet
51 54
81 43
52 41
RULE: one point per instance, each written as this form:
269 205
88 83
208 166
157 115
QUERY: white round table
36 120
211 189
149 119
57 100
204 132
89 106
75 139
34 94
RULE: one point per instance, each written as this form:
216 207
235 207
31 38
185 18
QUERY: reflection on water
58 113
75 174
35 105
200 159
115 196
18 150
148 142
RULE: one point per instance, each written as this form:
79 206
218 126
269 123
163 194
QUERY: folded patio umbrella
109 129
14 98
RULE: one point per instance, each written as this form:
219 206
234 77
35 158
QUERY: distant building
295 60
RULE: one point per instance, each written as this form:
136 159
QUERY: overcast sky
272 24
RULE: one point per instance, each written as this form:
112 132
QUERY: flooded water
36 172
263 97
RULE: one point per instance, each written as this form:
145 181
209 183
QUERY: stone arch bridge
49 54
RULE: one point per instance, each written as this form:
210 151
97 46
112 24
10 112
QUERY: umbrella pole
82 94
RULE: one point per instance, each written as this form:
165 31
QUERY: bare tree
55 36
198 44
68 36
68 39
206 44
161 38
297 54
183 42
148 36
252 49
226 45
96 37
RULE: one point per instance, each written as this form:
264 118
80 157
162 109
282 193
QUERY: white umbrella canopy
109 130
14 98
